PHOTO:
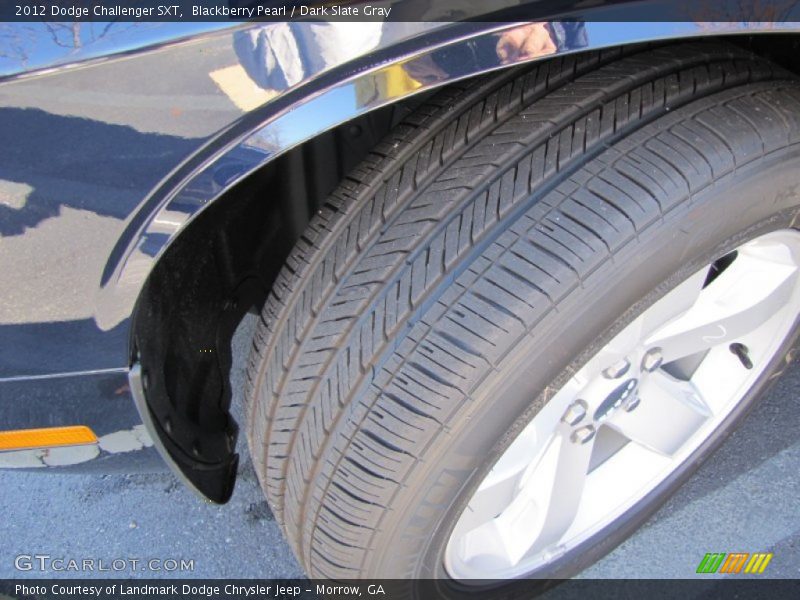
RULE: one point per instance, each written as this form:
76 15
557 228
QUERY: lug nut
575 413
632 403
652 360
617 370
583 435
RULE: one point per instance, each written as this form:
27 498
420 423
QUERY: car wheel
530 314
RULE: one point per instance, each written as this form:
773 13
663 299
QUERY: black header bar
236 11
603 589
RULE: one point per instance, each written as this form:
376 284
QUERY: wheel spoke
674 304
669 412
558 484
743 297
499 487
546 502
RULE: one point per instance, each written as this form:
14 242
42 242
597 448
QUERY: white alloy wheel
632 414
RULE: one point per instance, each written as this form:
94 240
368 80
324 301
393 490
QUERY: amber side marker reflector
22 439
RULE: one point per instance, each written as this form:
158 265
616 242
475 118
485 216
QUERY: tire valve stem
742 353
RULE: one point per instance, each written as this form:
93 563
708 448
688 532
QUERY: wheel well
218 269
223 265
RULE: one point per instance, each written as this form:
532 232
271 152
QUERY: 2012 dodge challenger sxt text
515 280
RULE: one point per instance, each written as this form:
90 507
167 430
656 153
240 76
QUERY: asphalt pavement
746 498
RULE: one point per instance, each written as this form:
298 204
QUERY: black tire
508 227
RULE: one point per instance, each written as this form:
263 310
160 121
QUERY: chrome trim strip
23 378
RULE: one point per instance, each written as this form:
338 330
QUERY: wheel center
627 389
